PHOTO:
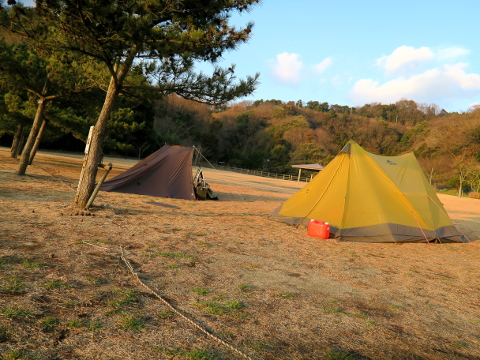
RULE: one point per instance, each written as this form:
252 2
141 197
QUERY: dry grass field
263 287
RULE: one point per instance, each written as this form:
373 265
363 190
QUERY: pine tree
168 35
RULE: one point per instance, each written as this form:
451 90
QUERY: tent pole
213 167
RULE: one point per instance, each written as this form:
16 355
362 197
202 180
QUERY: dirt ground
263 287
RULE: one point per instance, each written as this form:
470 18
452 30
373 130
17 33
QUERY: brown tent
165 173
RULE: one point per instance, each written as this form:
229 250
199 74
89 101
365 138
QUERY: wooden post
97 188
299 173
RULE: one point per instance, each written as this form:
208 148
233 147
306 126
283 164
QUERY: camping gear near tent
165 173
371 198
202 188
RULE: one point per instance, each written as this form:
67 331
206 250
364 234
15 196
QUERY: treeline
272 135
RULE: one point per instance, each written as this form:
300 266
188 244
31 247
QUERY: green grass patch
245 287
332 310
216 308
50 323
235 305
259 347
166 314
128 322
126 297
199 355
359 315
18 355
286 295
74 323
201 291
171 255
12 285
460 344
96 281
94 325
54 285
14 312
32 265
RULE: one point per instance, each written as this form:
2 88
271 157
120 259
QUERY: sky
351 52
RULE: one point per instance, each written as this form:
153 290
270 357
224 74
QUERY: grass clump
332 310
245 287
94 325
74 323
50 323
12 285
166 314
96 280
32 265
199 355
14 312
128 322
287 295
172 255
55 284
216 308
127 298
99 241
201 291
18 355
235 305
5 334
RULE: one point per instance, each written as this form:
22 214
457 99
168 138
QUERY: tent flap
165 173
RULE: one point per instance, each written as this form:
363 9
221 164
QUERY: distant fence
263 173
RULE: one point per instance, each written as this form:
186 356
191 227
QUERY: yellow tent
372 198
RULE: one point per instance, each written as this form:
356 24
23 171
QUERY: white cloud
321 67
452 52
404 60
445 83
287 69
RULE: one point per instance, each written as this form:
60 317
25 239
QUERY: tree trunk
22 167
88 175
37 141
86 183
20 146
16 141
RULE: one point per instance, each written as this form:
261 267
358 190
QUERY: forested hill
273 135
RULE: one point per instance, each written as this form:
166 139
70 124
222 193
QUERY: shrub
474 195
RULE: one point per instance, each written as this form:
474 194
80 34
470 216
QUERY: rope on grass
178 312
57 178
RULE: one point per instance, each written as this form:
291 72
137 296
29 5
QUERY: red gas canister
318 229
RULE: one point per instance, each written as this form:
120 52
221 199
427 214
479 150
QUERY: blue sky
351 52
